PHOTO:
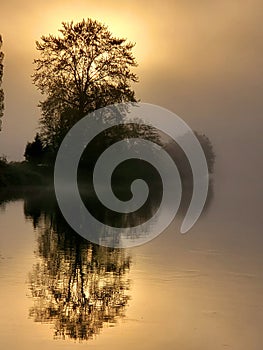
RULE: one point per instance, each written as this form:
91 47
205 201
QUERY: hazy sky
201 59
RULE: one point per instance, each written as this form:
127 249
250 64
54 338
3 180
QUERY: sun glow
128 26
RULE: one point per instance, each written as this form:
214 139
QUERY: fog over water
201 60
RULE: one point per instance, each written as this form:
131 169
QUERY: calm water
202 290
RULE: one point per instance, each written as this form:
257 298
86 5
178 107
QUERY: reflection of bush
76 285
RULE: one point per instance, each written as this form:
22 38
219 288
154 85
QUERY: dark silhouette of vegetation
207 147
1 78
34 152
84 69
17 174
181 160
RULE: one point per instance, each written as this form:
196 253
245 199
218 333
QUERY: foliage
34 151
181 160
207 147
3 161
84 69
17 174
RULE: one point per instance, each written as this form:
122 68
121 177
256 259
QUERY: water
202 290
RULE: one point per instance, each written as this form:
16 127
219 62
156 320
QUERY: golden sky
201 59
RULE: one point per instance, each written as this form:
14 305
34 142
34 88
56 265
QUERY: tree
35 151
84 69
1 77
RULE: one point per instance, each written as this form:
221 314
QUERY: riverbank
21 174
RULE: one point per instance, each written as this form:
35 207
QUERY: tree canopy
83 69
34 151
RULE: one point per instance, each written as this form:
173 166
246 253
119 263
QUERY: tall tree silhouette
1 77
81 70
34 151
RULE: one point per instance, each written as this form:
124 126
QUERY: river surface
201 290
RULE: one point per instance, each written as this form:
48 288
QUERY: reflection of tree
76 285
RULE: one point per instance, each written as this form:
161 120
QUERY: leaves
84 68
